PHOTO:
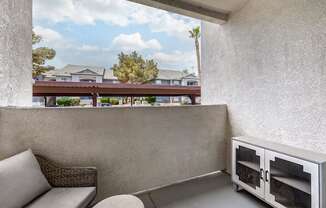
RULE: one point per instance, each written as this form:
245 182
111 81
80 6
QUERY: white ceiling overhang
216 11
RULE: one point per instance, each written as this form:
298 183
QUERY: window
63 79
165 82
176 82
192 83
87 80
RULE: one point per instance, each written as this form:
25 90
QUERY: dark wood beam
43 88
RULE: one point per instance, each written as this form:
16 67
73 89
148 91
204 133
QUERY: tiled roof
75 69
163 74
170 75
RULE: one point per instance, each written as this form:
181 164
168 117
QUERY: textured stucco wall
15 52
133 148
268 65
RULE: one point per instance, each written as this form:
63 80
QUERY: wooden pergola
94 90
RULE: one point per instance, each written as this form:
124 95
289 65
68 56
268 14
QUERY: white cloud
47 34
162 21
82 11
135 42
52 38
116 12
89 48
176 59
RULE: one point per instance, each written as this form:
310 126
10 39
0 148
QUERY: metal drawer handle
267 176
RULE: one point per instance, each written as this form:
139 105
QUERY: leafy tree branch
40 56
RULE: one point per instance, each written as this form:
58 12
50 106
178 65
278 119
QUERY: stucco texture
268 65
15 52
133 148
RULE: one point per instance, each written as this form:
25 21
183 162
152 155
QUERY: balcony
158 153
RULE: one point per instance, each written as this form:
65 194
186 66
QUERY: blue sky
94 32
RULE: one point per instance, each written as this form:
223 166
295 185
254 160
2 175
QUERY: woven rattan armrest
67 177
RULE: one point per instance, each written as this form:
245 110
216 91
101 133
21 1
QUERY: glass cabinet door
248 167
291 182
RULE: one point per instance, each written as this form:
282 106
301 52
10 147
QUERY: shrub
75 102
105 100
151 100
66 101
114 101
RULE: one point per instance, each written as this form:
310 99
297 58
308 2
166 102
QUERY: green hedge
112 101
105 100
66 101
151 100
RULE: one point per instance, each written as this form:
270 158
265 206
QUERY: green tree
133 69
195 34
40 56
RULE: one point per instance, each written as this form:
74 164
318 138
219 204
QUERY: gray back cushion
21 180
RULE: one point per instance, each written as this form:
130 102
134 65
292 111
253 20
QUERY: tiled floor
211 192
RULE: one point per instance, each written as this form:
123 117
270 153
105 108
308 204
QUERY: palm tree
195 34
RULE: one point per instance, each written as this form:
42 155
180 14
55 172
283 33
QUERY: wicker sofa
32 181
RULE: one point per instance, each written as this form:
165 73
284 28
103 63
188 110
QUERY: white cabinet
282 179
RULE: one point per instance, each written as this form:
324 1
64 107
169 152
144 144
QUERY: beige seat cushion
21 180
121 201
65 198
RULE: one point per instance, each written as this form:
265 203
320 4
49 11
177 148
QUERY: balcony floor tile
211 192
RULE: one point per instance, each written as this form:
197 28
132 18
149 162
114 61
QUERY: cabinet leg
236 188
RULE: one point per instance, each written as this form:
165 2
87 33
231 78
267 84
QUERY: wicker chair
32 181
67 177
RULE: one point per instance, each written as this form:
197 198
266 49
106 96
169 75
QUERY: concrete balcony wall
133 148
267 63
15 52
